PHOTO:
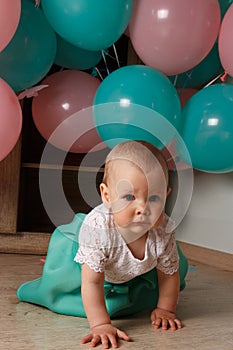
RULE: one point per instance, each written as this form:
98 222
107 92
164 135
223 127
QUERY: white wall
209 220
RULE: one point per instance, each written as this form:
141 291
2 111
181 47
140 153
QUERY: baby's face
136 199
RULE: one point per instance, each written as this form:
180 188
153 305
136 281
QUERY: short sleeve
168 259
93 242
94 258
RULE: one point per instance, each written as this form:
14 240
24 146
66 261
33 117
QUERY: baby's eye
154 198
129 197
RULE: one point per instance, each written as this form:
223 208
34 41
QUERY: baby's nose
142 208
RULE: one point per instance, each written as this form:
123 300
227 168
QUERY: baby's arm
102 331
164 314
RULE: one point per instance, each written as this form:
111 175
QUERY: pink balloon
10 11
174 36
63 107
225 43
10 119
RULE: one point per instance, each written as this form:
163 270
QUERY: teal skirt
59 287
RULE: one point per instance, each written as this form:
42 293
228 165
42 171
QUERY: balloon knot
223 77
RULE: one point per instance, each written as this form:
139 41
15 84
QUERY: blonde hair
141 154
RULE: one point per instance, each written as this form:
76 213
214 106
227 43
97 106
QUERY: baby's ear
104 191
169 191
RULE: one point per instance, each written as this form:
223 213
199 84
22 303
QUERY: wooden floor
205 307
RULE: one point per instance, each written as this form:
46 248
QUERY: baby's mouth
140 222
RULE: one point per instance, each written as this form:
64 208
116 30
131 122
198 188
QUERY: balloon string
188 77
221 76
175 80
113 58
115 52
97 70
105 62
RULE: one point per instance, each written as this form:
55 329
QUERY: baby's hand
105 334
165 319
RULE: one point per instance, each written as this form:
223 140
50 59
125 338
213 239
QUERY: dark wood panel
32 214
9 185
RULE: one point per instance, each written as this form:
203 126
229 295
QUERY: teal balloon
208 69
89 24
224 6
73 57
116 123
208 128
31 52
136 90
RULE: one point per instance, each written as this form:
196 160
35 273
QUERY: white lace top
103 249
